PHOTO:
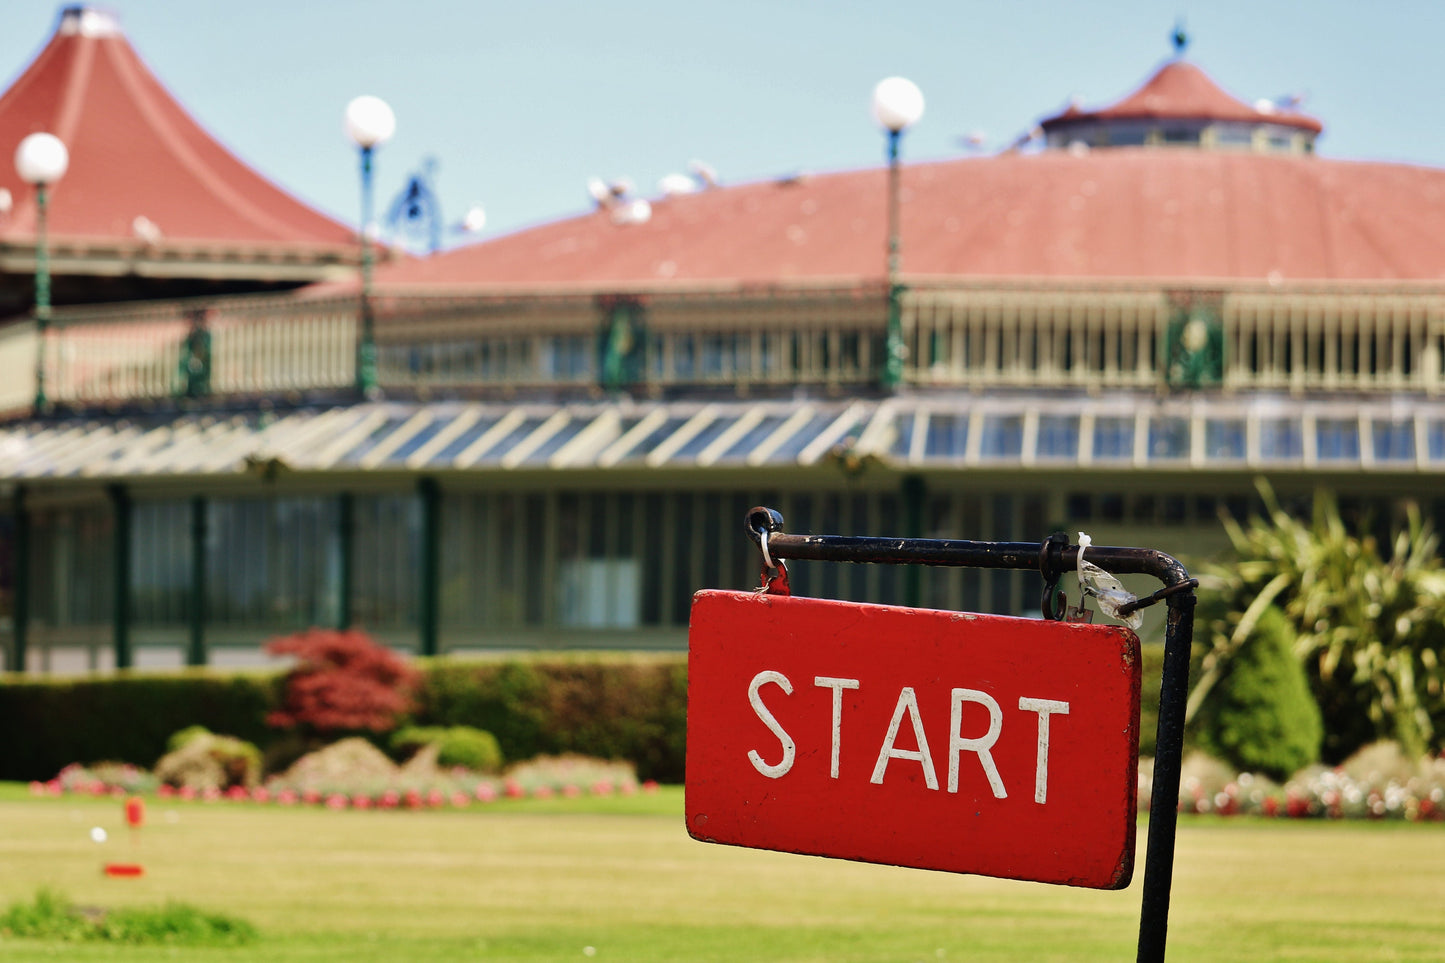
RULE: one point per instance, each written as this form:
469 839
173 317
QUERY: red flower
360 801
485 792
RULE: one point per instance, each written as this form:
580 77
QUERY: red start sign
939 740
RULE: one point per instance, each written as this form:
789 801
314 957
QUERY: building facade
1118 331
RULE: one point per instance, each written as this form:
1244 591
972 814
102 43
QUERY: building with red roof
1117 327
152 206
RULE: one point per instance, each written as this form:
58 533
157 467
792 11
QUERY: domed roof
1180 90
1185 213
1125 213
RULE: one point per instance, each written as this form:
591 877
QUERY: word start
907 705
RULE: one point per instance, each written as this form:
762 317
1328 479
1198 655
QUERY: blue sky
521 102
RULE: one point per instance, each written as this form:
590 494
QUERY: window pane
1337 439
1003 436
1224 438
1280 438
947 436
1058 436
1169 438
1394 440
1435 439
1114 437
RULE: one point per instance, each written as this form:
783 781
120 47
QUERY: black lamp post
897 105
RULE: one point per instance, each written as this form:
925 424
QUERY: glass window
1114 437
791 448
1003 436
1337 439
1435 440
759 433
1224 438
1393 440
1280 439
947 436
273 563
500 448
1169 438
1058 436
386 559
71 572
160 562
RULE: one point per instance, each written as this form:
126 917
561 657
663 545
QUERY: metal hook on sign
761 523
1051 567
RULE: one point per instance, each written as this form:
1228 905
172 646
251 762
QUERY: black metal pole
1056 558
1168 753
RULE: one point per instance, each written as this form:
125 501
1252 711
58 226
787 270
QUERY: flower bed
1355 790
564 777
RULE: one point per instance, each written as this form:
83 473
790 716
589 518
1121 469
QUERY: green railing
976 335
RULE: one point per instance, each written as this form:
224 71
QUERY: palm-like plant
1369 629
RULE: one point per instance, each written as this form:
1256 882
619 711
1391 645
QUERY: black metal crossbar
1051 558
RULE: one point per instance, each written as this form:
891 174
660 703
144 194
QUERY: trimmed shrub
611 707
1261 716
457 746
343 682
205 760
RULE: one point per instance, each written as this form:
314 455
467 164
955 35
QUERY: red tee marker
135 812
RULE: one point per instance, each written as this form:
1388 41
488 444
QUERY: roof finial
1181 39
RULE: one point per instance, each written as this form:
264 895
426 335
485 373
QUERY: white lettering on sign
837 685
908 703
1045 708
769 720
980 745
958 743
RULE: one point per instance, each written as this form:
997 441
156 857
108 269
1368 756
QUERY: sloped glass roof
940 431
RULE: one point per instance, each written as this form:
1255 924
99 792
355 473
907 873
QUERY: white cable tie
1110 592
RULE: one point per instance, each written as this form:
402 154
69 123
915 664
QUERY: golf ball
98 834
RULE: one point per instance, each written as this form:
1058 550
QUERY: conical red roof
142 172
1181 91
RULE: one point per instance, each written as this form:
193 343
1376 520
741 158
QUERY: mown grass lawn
546 880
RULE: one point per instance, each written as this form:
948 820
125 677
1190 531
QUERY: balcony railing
1350 340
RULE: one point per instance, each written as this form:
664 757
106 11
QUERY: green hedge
613 707
610 706
49 724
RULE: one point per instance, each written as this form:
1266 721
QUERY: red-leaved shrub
342 682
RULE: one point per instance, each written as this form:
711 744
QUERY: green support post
121 507
196 643
894 348
42 294
366 343
430 589
346 548
20 607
